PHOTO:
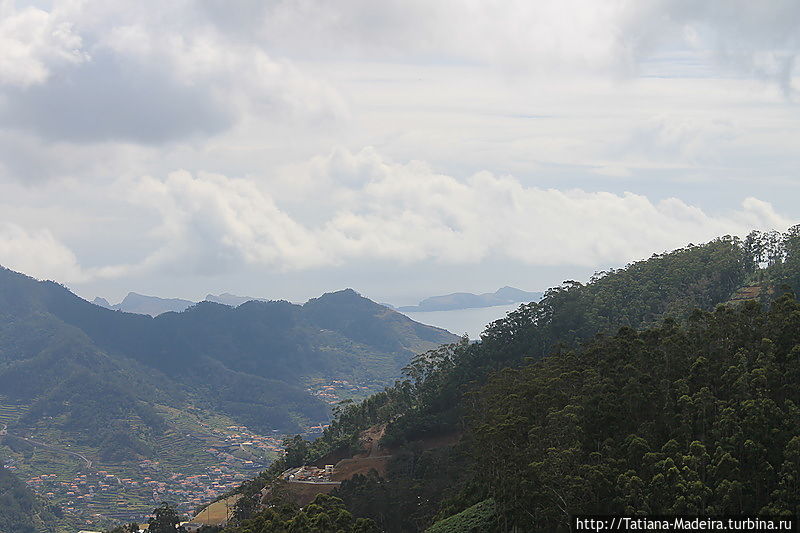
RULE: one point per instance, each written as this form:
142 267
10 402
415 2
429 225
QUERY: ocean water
460 321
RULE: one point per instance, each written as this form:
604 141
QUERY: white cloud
587 36
686 140
32 41
212 223
448 81
757 38
183 69
38 254
409 213
542 94
533 36
207 224
94 72
240 73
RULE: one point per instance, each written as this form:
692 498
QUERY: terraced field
748 293
9 412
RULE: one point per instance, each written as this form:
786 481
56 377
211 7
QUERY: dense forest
638 392
21 511
699 418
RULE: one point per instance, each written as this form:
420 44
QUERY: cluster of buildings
240 436
332 392
188 491
102 494
131 491
87 495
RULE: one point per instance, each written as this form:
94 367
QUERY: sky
283 149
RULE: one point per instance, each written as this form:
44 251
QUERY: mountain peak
151 305
102 302
343 295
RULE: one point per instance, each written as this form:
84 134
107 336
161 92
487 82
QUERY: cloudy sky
403 148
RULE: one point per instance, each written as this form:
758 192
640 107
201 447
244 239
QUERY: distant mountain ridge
146 305
264 348
154 305
466 300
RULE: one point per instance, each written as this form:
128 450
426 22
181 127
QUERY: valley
202 456
107 414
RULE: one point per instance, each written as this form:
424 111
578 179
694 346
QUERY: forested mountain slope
695 413
669 284
699 418
21 511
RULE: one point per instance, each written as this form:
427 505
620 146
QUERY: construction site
310 474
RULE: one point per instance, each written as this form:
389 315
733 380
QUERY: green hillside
629 394
699 418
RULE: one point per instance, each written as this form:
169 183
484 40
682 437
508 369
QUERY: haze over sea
460 321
